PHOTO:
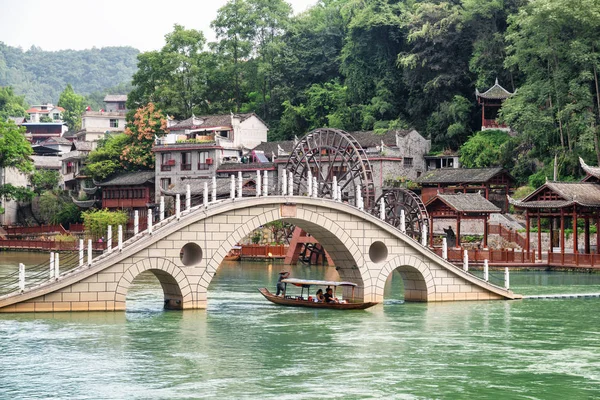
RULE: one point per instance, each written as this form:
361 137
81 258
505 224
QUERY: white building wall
249 133
16 178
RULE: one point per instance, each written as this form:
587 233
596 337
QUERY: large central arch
341 246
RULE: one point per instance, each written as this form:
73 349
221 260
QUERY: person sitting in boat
329 296
319 298
280 286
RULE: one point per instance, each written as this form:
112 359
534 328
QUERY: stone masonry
185 254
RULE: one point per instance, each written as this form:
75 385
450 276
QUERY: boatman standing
280 286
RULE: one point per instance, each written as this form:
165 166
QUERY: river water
243 347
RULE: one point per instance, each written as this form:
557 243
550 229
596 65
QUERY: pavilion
460 206
563 204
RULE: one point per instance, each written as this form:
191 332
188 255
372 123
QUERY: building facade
197 147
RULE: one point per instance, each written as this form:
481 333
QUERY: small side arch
419 284
176 287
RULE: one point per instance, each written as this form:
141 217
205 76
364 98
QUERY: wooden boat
301 301
234 254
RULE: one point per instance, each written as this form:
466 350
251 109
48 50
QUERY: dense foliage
129 151
97 221
375 65
384 64
14 153
56 207
42 75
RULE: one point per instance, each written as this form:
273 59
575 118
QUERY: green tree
554 44
105 160
175 77
234 29
484 149
57 208
74 107
97 221
43 180
11 105
14 153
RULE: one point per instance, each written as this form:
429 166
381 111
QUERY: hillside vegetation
42 75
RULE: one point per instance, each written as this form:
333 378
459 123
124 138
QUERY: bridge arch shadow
342 249
416 277
175 285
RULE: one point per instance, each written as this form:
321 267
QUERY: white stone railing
262 190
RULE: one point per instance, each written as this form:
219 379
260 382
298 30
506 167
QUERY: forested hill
42 75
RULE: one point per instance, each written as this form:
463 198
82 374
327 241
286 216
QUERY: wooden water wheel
326 153
415 213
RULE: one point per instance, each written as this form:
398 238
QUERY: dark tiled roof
113 98
245 167
129 179
57 140
466 202
459 175
496 92
580 193
46 162
208 121
372 139
593 171
83 145
271 147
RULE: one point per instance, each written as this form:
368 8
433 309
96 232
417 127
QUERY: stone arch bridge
184 255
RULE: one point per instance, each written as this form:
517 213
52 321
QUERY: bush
97 221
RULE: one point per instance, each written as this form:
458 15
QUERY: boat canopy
310 282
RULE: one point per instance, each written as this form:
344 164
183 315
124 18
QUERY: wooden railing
574 260
47 245
261 251
493 256
34 230
508 234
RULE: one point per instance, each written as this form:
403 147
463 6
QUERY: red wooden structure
491 100
460 206
493 183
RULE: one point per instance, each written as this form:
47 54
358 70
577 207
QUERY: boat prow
299 301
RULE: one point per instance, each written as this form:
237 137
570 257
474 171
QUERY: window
337 171
165 162
55 116
165 183
121 106
186 161
202 156
114 123
408 162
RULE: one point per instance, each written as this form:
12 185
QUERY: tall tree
74 107
149 123
11 105
555 44
234 29
14 153
175 77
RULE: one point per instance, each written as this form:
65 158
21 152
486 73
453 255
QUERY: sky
83 24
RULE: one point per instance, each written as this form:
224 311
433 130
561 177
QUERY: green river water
243 347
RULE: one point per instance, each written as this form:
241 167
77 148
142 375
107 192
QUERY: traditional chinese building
131 191
558 207
493 183
460 207
491 100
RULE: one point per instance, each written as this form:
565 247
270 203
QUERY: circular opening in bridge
190 254
378 252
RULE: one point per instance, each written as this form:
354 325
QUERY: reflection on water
245 347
